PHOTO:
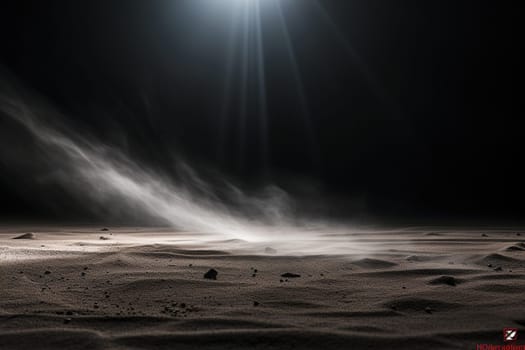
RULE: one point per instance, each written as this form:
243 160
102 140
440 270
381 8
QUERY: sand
407 288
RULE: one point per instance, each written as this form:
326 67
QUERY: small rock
428 310
484 235
290 275
28 235
47 272
211 274
69 313
104 229
83 274
255 303
183 305
489 265
67 320
498 269
103 238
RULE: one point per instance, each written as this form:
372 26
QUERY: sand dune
145 289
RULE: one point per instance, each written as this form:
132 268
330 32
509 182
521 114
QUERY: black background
425 123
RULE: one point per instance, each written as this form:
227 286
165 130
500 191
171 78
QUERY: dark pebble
290 275
211 274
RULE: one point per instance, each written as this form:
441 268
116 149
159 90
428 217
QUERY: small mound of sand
498 259
373 263
433 234
514 248
28 235
421 258
448 280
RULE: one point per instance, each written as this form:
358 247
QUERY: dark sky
408 107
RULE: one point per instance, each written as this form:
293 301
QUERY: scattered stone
484 235
498 269
428 310
255 270
253 275
489 265
183 305
103 238
255 303
290 275
269 250
67 320
47 272
104 229
211 274
28 235
83 274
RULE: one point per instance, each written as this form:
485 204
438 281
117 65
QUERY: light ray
306 117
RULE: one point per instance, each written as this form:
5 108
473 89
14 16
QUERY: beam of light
371 79
298 83
228 81
245 65
245 76
261 78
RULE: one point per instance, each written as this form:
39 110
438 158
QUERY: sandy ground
417 288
